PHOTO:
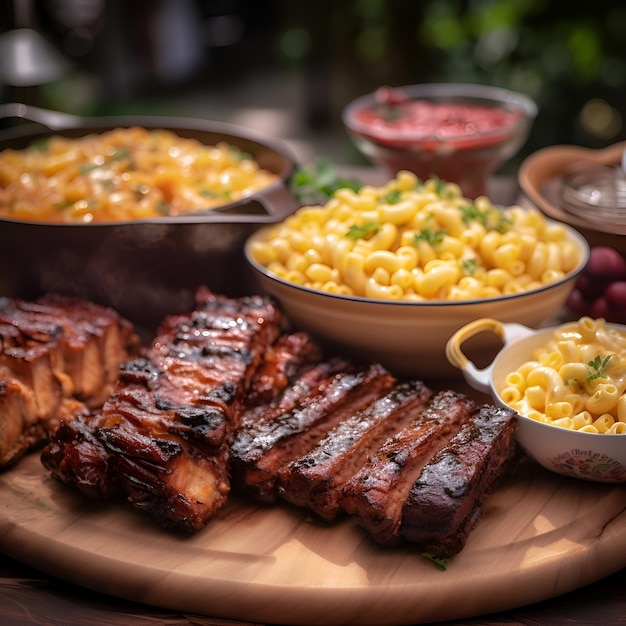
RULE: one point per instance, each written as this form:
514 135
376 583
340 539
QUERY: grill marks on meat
316 479
376 493
261 449
162 438
408 464
445 502
58 355
221 395
282 363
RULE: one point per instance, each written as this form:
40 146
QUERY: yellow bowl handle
455 354
480 379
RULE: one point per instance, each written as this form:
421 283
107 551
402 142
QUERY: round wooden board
541 535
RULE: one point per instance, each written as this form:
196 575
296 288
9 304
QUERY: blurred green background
288 68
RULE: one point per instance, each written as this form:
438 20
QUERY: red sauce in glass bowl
397 120
456 135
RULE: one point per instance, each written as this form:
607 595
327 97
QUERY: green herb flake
469 266
442 564
121 153
239 155
366 231
318 183
88 167
440 185
40 145
491 219
392 197
598 367
60 206
430 236
163 208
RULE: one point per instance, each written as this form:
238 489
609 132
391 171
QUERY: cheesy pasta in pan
410 240
576 381
123 174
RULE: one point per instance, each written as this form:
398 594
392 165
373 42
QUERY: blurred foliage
570 57
571 60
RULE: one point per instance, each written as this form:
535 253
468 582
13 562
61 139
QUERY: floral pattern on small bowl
586 464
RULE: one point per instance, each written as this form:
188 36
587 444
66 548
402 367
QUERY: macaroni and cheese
416 241
576 381
123 174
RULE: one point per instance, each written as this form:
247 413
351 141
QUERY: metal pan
150 268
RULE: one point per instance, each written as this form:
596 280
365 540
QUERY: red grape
600 308
600 289
577 303
606 263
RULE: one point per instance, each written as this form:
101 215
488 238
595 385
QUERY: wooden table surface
30 596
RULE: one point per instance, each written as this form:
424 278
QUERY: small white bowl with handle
588 456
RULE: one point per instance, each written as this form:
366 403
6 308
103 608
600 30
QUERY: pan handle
54 120
278 200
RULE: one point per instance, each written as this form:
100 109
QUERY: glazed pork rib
162 438
223 398
58 355
376 493
282 363
315 480
262 448
446 501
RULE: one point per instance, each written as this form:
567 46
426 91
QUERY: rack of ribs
315 480
224 399
426 485
295 422
445 503
162 439
59 356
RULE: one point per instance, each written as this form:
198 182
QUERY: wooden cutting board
541 535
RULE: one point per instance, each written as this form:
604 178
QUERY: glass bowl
596 194
457 132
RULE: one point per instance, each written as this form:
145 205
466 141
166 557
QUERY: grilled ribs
224 399
261 448
162 438
58 356
376 493
446 501
283 362
315 480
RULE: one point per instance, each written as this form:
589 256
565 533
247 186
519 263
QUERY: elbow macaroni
412 241
123 174
576 381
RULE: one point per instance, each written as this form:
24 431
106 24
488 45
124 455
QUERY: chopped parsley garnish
492 218
121 153
41 145
318 183
440 185
239 155
59 206
392 197
163 208
598 367
442 564
209 193
366 231
469 266
85 169
433 237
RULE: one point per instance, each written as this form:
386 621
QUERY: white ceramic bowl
459 146
409 338
587 456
